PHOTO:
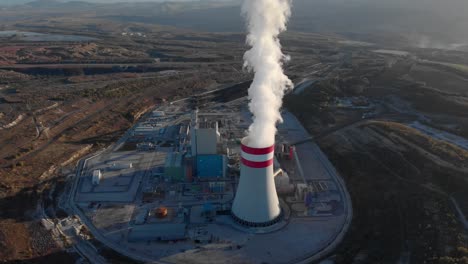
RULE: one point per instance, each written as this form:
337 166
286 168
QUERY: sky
15 2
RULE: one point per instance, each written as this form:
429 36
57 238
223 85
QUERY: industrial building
211 167
157 232
174 167
157 113
146 146
205 136
147 131
120 166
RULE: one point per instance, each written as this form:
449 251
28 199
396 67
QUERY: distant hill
338 16
422 21
58 4
43 3
13 2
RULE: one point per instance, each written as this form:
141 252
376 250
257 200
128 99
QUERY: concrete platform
116 185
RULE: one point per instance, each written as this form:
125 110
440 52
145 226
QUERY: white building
120 166
206 138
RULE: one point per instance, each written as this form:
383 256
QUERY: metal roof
157 232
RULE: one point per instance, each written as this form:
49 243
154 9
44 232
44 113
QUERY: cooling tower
256 203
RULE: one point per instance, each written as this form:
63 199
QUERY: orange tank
161 212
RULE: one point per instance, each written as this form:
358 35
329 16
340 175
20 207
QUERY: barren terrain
405 183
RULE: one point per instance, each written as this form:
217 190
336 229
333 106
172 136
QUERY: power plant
202 191
256 203
190 184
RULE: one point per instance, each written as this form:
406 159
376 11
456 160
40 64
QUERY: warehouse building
157 232
174 167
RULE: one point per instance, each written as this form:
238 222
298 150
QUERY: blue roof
210 166
208 207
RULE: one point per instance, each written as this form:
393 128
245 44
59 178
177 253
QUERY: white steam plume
266 19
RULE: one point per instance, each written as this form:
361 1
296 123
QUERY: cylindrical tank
161 212
256 202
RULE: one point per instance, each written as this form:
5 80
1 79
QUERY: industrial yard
164 191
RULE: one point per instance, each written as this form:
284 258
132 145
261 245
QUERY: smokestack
256 203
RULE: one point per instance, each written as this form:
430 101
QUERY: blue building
211 166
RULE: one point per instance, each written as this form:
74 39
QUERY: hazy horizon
428 22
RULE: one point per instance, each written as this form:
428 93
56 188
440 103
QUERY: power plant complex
185 185
191 184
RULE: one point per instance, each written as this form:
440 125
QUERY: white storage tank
96 177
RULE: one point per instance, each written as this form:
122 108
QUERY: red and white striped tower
256 202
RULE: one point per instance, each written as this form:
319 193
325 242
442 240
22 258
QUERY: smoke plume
266 19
